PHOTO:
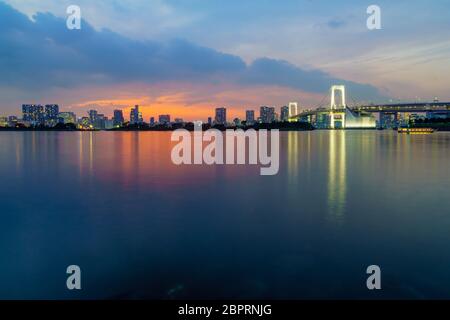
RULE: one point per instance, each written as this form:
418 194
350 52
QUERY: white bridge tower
337 115
341 89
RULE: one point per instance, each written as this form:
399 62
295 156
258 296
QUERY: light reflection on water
140 226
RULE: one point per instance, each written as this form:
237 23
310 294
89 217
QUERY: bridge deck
407 107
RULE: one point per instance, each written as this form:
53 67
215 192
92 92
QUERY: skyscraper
267 114
51 111
118 119
27 112
100 122
136 116
221 116
33 113
164 119
284 114
93 116
250 117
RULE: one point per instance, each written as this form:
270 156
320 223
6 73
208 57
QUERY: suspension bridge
338 114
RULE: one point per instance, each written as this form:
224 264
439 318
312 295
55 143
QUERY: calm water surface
140 227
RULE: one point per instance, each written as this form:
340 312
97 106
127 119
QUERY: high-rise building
100 122
390 120
33 113
164 119
51 111
284 114
67 117
93 116
267 114
27 112
39 116
51 114
221 116
250 117
118 119
109 123
136 116
210 121
152 121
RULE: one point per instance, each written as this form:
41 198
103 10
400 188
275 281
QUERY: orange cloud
189 101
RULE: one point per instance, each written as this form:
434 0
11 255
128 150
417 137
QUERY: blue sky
196 54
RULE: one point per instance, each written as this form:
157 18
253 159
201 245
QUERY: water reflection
337 175
293 157
141 226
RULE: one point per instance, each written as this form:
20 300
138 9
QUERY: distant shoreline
204 128
282 126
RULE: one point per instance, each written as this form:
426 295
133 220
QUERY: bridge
340 115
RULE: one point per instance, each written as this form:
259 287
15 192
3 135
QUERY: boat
416 130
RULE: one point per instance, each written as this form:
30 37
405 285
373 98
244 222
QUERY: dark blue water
140 227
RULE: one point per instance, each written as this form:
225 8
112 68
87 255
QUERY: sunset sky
187 57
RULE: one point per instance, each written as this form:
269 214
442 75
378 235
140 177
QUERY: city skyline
216 72
51 114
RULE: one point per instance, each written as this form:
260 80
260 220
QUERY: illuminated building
12 121
390 120
3 122
93 116
250 117
284 114
34 114
136 116
109 123
100 122
85 123
221 116
360 120
51 111
118 118
267 114
67 117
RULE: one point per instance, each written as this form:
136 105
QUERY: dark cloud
279 72
43 53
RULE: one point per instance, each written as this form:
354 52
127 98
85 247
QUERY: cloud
270 71
41 54
336 23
